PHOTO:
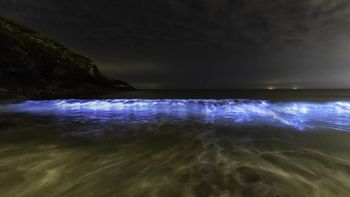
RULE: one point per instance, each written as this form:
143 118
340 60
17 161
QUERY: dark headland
34 66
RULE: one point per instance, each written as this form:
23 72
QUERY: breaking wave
301 116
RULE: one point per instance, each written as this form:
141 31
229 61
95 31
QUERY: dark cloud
201 43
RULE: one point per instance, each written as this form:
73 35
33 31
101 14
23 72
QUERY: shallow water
175 147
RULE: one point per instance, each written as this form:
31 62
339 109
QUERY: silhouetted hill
34 66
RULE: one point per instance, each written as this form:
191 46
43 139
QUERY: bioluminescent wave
298 115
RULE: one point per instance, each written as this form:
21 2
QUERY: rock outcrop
34 66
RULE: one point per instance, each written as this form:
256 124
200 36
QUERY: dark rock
121 84
34 66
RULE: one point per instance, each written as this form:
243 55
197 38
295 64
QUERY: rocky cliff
34 66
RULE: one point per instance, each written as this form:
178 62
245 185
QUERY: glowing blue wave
297 115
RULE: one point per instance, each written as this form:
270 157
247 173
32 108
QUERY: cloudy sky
202 43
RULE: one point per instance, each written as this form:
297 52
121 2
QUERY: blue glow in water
298 115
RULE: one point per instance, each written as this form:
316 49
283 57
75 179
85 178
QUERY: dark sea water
178 143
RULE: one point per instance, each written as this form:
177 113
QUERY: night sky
202 43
